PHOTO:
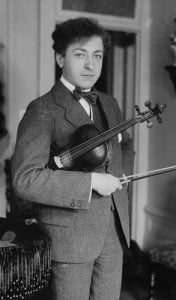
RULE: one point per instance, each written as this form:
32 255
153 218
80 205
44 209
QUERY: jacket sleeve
32 180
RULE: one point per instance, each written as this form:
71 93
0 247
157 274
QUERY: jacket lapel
108 109
74 112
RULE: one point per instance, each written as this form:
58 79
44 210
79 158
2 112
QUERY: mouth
88 75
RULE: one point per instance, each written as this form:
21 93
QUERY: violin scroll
157 110
152 111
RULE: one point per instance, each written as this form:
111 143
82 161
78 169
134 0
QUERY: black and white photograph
87 150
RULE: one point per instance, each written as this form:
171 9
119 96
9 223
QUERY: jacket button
73 204
79 203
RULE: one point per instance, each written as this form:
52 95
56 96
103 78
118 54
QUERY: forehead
93 43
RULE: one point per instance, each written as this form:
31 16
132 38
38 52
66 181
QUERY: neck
68 85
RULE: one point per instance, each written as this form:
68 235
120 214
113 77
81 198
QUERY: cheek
71 72
99 69
98 64
68 70
73 68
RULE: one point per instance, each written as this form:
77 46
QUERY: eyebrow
84 50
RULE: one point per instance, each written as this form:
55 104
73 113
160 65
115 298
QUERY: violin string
97 140
92 143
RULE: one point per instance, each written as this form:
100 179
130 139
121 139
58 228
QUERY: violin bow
134 177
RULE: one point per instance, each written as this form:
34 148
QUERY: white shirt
87 107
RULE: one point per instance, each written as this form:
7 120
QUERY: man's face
82 63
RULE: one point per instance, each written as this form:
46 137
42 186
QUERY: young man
85 213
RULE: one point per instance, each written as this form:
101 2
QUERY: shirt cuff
119 137
90 195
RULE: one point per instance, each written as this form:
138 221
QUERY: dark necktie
91 96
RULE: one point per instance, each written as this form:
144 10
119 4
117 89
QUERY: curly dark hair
74 30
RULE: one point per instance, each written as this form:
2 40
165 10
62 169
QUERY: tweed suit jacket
77 226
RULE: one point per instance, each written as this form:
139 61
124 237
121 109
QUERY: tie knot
91 96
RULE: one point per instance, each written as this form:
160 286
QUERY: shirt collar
68 85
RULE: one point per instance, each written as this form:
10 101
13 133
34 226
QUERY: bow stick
138 176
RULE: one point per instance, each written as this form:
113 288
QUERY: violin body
74 160
95 157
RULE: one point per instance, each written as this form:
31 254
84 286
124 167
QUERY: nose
89 63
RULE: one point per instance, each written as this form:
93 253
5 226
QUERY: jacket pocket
57 216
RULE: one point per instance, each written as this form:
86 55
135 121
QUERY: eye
99 56
79 55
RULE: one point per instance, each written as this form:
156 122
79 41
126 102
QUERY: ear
60 60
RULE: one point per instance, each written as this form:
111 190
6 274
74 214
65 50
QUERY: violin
90 148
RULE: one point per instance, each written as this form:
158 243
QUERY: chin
87 85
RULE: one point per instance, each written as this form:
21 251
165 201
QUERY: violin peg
149 124
138 109
162 107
